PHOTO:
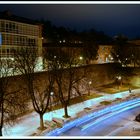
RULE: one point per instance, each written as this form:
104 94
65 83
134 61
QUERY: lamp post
51 93
81 60
51 98
89 85
119 78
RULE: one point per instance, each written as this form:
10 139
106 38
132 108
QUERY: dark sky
110 18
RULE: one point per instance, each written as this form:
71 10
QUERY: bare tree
25 62
11 103
120 50
67 74
90 51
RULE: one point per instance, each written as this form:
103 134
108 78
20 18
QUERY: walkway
28 124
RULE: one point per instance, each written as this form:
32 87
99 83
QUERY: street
29 123
122 124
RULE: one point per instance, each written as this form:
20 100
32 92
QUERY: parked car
138 118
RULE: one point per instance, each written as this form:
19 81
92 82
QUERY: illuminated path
28 124
97 123
122 124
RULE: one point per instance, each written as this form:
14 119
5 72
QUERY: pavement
28 124
121 124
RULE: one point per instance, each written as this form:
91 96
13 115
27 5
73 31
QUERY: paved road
28 124
122 124
108 121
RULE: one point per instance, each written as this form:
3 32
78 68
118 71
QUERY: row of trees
125 52
63 77
11 103
55 34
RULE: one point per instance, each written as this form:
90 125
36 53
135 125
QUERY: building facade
104 54
17 32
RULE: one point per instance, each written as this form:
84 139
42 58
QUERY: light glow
111 110
81 58
108 116
90 82
51 93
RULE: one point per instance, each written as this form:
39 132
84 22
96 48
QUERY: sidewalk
28 124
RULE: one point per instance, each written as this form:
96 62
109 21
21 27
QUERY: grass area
113 88
77 99
105 102
84 98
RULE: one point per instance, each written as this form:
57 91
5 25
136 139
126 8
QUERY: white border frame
70 2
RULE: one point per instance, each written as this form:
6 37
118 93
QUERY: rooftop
7 15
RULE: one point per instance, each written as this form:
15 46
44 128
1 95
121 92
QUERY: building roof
69 45
7 15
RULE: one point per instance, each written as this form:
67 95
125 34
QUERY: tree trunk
121 83
2 116
41 122
0 131
66 112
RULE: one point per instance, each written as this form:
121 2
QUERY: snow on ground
29 123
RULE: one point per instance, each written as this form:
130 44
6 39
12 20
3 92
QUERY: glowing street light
52 93
51 99
81 58
119 78
89 84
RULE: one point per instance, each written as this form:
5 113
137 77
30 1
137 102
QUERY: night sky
111 18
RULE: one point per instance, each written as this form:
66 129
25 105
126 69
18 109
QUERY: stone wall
99 74
134 77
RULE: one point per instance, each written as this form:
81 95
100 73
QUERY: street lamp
51 99
81 62
119 78
89 84
52 93
81 58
